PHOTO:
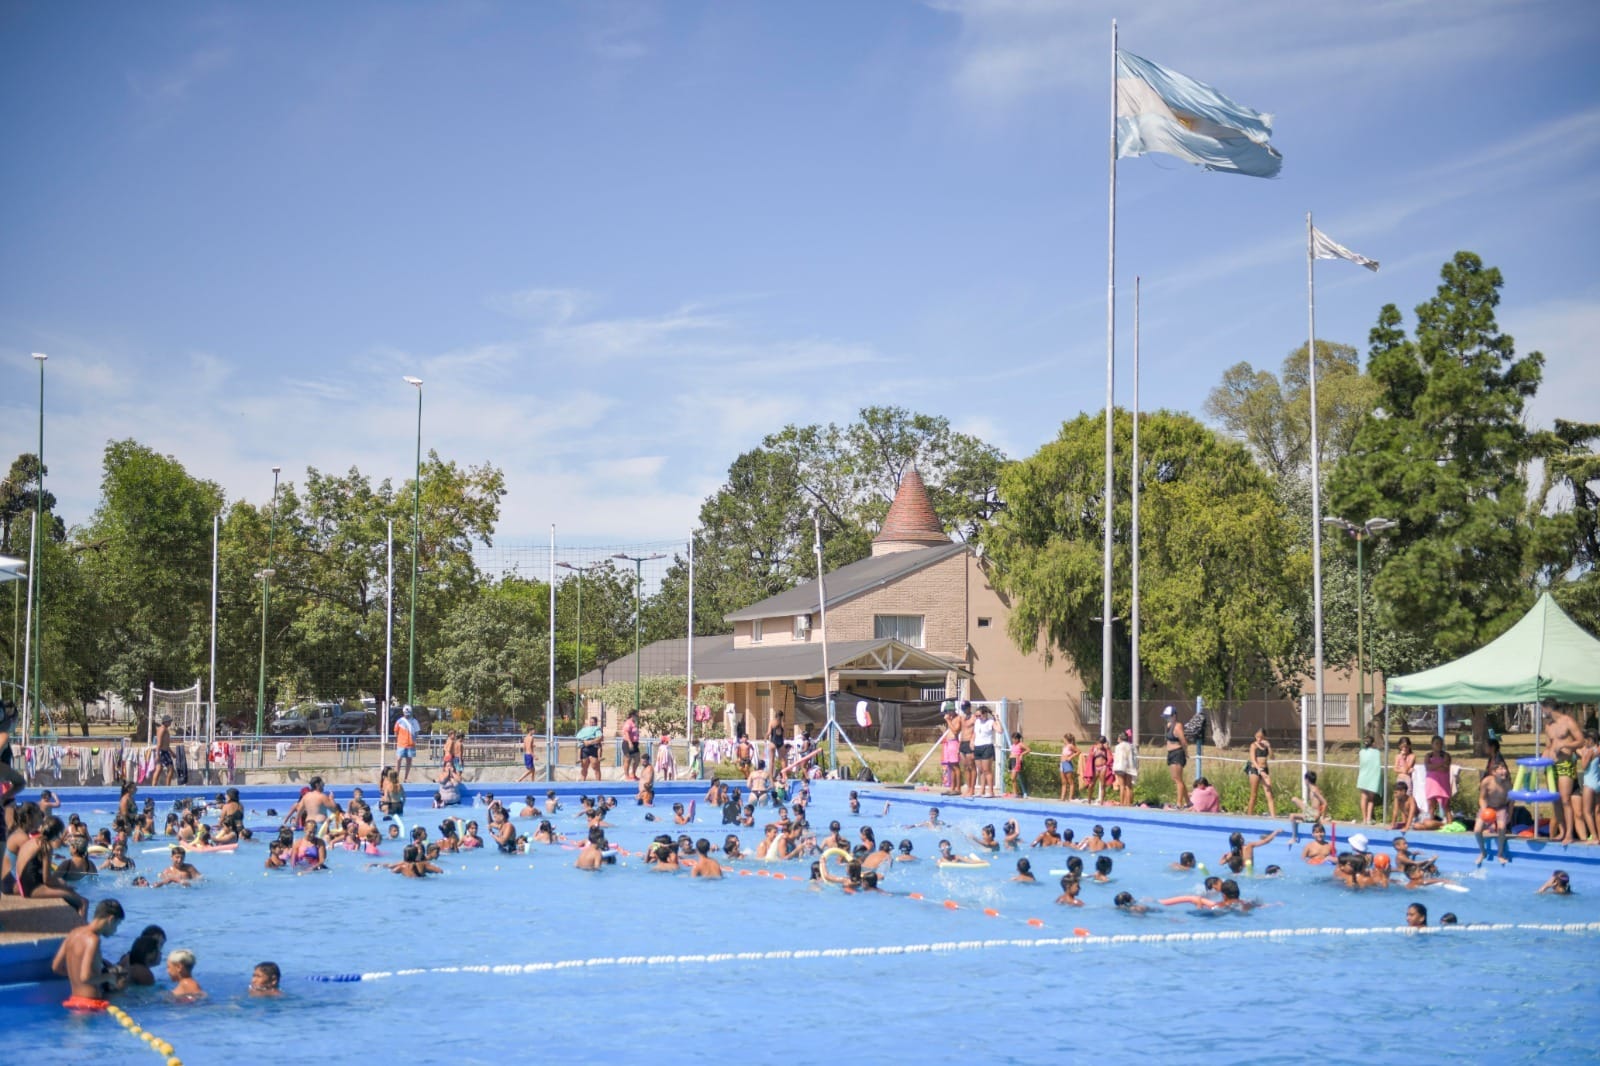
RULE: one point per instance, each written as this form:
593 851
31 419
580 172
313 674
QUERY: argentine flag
1160 110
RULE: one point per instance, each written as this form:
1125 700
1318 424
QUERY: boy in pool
264 979
180 967
1025 872
1313 810
1069 892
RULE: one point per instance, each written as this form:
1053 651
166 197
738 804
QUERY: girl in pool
1013 836
1558 885
1069 775
987 841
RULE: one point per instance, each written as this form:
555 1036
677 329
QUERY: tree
146 558
1273 416
1565 547
756 533
494 654
1217 569
19 495
1445 456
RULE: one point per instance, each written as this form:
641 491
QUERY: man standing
630 747
79 960
1564 740
406 729
589 749
166 768
314 807
528 740
969 770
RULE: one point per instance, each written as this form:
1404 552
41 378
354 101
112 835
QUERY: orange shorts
84 1003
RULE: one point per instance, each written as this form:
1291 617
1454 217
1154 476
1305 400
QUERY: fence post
1199 741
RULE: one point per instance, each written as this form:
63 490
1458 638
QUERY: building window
906 628
1335 709
983 623
755 630
802 627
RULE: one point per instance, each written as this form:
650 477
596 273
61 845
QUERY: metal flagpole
1111 335
28 722
1133 483
1316 478
688 684
550 704
211 699
388 644
822 623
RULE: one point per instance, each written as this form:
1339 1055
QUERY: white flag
1325 247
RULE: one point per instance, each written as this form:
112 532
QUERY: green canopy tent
1546 655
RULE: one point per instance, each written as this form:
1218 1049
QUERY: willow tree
1218 570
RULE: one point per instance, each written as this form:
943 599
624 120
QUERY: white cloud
1564 330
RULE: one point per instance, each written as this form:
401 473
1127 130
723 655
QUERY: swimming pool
525 956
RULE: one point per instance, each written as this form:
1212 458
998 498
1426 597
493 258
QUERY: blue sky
622 241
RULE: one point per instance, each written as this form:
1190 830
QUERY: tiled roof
848 582
911 519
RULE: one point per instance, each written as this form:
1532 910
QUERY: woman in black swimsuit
1177 757
34 877
1259 775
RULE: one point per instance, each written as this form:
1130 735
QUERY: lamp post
416 530
266 600
1360 532
38 531
638 562
577 677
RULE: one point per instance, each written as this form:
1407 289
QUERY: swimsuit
1175 756
84 1003
1260 753
1566 766
1591 775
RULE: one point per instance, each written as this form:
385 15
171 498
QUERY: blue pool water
547 962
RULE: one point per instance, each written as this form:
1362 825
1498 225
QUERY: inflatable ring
843 854
98 849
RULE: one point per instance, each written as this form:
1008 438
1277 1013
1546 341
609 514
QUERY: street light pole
416 531
38 531
1361 533
577 678
266 601
638 562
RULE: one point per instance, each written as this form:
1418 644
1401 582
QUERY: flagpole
1111 339
1316 478
1133 485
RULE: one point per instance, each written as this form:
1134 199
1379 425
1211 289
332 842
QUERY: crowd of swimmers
317 826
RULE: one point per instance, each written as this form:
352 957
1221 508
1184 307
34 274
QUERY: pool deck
30 932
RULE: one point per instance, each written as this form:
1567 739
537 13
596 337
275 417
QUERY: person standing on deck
630 747
166 768
528 740
405 741
1177 757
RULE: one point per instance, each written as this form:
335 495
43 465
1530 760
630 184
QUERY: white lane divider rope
1206 936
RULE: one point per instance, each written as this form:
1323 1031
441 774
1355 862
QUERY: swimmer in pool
1318 849
1102 869
1069 892
1417 916
1049 838
265 978
905 852
947 856
1243 855
180 968
1025 873
1125 903
704 864
595 851
987 841
1558 885
1185 862
180 872
78 959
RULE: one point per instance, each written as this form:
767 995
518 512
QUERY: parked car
355 722
303 719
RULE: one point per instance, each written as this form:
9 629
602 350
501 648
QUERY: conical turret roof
910 523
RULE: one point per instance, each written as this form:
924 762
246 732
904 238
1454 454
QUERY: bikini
1261 753
1176 756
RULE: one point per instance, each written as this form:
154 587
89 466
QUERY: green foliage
756 534
1565 548
1217 571
494 652
19 496
1446 459
1273 416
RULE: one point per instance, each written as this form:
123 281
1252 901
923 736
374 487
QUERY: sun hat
1358 843
1168 712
